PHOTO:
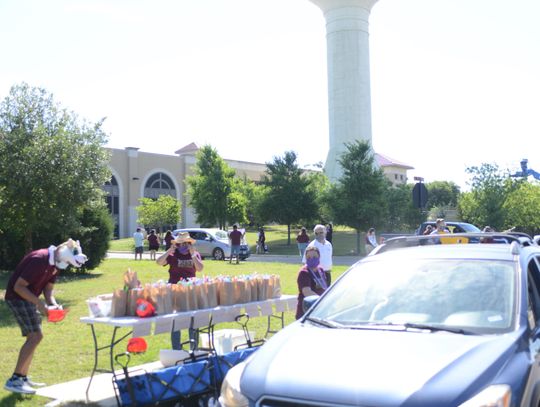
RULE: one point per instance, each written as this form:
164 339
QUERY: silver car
214 243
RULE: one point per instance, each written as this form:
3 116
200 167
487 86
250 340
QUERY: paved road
338 260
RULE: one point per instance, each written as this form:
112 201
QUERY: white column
349 95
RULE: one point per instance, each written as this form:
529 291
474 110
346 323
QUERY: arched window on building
159 184
113 203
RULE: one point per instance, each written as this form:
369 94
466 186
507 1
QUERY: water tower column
349 95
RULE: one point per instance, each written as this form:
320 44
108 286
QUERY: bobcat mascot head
69 253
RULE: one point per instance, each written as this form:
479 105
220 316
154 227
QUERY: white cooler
225 340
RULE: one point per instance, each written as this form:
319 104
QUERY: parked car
453 227
441 325
214 243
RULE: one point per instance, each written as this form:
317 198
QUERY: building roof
190 148
385 161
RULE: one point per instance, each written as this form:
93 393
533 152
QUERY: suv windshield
475 294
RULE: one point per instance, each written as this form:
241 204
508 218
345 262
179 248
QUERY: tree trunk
358 241
289 234
28 241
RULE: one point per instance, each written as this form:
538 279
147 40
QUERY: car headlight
230 389
497 395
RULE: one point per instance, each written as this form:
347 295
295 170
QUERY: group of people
37 272
154 242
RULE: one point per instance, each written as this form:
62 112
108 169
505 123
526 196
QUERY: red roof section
385 161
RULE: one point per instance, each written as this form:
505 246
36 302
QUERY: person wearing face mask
311 278
325 250
182 258
183 261
35 275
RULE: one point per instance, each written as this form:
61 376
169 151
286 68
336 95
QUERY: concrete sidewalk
270 258
101 391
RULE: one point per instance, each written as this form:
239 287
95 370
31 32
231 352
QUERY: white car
214 243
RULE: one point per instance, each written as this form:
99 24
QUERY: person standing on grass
138 239
183 261
311 279
261 241
235 237
325 250
302 240
168 239
153 243
35 275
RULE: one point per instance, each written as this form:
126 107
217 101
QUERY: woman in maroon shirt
183 261
311 279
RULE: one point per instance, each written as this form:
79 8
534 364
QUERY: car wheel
218 254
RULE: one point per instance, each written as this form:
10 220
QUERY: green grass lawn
344 241
66 352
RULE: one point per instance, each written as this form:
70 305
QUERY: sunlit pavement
274 258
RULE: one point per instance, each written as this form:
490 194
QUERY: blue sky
455 83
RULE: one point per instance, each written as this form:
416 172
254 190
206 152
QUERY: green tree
159 213
209 188
484 204
318 187
52 166
358 199
522 207
442 193
402 214
287 198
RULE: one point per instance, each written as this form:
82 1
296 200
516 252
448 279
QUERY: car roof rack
520 239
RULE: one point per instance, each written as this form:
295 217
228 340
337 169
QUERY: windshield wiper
435 328
324 322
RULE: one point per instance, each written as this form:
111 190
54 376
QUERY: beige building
137 174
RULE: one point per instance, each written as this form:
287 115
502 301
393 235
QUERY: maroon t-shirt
302 238
181 266
153 241
306 279
35 269
236 237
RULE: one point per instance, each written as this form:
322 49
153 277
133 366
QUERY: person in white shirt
325 250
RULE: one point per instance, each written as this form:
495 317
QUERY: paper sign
266 308
163 325
142 329
182 322
252 310
201 319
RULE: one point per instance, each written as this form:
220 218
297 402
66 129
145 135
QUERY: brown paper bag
241 290
226 292
119 303
181 298
263 288
191 295
130 279
202 296
275 280
253 288
165 293
212 292
132 297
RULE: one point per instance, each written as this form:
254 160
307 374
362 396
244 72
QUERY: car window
199 235
222 235
444 292
533 292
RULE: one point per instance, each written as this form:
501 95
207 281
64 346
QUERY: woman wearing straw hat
184 261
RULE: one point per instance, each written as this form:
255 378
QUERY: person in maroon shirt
311 279
35 275
183 261
153 243
235 236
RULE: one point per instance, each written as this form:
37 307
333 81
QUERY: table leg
97 349
280 317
